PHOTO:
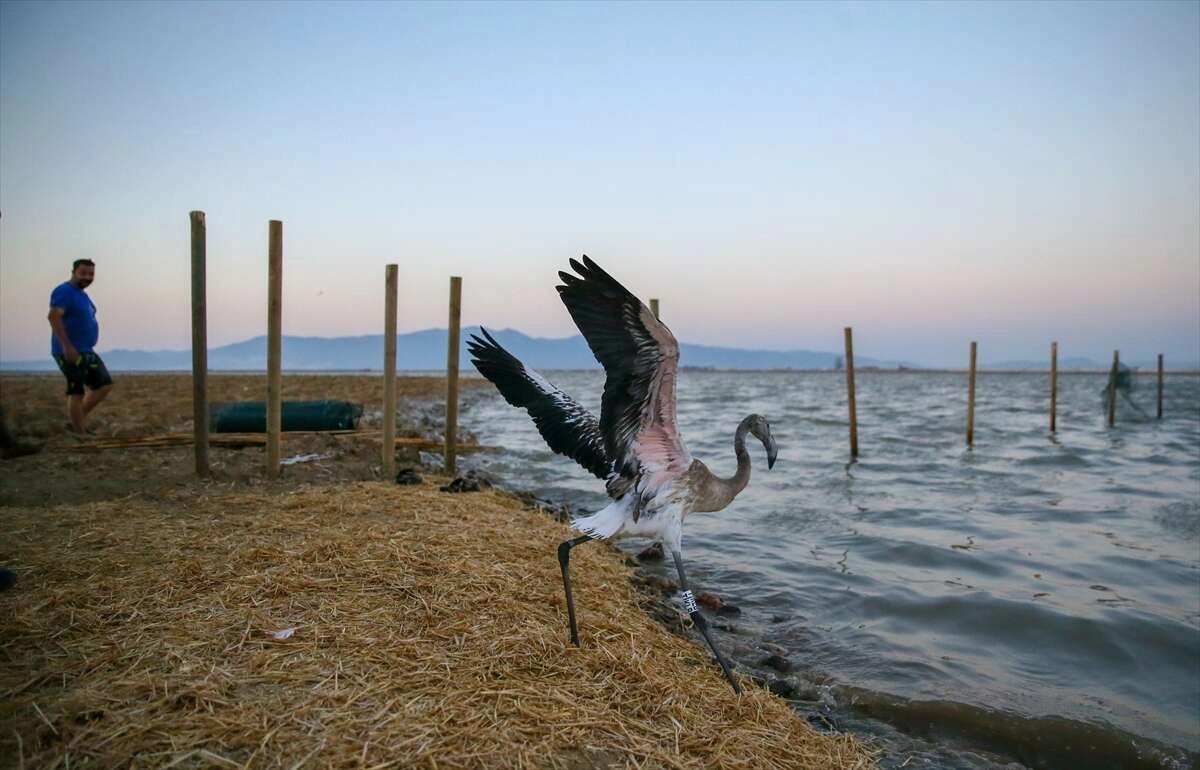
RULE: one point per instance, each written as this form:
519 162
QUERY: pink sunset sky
928 173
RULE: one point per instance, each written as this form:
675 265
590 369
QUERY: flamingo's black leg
564 559
689 604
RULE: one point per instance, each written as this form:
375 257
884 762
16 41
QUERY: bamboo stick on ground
234 440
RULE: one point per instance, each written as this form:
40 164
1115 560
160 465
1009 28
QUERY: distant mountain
1081 362
426 350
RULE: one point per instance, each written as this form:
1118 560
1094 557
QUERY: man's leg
74 373
93 399
98 380
75 412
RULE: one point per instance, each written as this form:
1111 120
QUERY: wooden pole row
1110 403
274 362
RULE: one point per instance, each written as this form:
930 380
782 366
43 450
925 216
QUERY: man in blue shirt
73 321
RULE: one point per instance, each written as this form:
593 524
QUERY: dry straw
429 632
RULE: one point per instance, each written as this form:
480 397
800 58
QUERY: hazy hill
425 350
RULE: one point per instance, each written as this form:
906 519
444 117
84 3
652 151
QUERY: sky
928 173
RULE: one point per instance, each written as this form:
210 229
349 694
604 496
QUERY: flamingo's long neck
741 478
720 492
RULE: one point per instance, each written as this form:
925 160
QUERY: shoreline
807 694
142 622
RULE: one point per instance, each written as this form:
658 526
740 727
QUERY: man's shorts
89 371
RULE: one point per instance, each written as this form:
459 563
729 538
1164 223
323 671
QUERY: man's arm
60 331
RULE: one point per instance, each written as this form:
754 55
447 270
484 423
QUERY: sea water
1033 600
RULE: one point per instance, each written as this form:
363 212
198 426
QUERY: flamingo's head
761 430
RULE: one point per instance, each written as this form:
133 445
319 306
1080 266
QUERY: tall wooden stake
1053 386
1112 388
389 373
452 375
850 392
971 401
654 307
200 344
274 343
1160 384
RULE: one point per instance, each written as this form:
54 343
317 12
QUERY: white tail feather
605 522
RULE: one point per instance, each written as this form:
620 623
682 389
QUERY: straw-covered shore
329 619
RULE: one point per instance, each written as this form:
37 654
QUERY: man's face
83 276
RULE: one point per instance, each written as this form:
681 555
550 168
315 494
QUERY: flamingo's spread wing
567 427
641 359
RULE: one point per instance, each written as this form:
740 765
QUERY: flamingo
635 446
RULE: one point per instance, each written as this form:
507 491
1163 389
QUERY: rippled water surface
1014 601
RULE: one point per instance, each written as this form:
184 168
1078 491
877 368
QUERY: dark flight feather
567 427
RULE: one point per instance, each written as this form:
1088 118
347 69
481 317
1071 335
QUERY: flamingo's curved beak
772 451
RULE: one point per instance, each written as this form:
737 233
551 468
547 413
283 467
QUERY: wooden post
452 375
274 343
1160 384
654 307
200 344
971 401
1053 386
389 373
850 392
1112 388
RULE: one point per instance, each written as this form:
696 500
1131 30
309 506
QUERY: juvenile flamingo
635 447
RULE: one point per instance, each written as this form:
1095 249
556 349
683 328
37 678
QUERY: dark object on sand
251 416
461 484
9 445
778 662
18 450
409 476
472 482
7 579
652 552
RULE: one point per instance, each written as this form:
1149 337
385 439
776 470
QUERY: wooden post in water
971 401
850 392
654 307
200 344
452 375
1053 385
389 373
1112 388
274 343
1160 384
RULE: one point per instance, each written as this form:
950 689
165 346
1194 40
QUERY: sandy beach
329 618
